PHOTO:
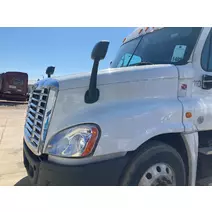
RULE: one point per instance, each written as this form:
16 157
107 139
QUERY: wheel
157 164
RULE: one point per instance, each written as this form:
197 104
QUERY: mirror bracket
89 99
92 94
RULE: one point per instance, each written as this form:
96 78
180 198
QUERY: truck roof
139 32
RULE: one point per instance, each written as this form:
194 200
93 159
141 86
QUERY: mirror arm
92 94
93 80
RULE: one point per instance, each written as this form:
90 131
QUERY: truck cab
144 121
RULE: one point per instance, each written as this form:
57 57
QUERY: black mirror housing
50 71
100 50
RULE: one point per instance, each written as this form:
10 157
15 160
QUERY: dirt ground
12 171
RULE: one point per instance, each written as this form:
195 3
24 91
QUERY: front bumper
42 172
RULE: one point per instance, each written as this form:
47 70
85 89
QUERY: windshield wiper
141 64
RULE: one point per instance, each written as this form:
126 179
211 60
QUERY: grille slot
35 115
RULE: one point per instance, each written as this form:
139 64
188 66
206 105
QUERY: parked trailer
14 86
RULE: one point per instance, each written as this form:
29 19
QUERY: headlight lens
78 141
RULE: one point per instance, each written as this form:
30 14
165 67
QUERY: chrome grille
35 115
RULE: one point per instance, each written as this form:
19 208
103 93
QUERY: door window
206 58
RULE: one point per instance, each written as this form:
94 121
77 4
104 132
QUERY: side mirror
50 71
98 53
100 50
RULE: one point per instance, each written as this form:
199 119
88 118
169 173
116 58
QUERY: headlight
78 141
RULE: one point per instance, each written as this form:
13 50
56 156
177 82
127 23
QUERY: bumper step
205 150
205 182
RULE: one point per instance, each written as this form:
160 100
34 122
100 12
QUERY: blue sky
31 50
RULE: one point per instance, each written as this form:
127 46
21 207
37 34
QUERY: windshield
171 45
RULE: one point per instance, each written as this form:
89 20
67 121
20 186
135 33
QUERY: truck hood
115 75
127 96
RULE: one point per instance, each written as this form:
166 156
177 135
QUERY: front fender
133 123
127 125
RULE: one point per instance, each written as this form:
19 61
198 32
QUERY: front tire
157 164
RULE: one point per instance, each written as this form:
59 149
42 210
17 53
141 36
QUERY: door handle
206 82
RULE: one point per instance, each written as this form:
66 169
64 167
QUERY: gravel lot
12 117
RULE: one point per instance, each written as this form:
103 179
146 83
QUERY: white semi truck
147 120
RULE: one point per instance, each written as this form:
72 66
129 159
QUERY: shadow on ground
23 182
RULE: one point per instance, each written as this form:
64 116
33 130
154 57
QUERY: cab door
202 84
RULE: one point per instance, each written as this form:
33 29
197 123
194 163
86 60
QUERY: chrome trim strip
33 104
32 117
39 114
31 110
36 134
39 121
29 128
40 108
35 141
29 121
37 100
38 128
